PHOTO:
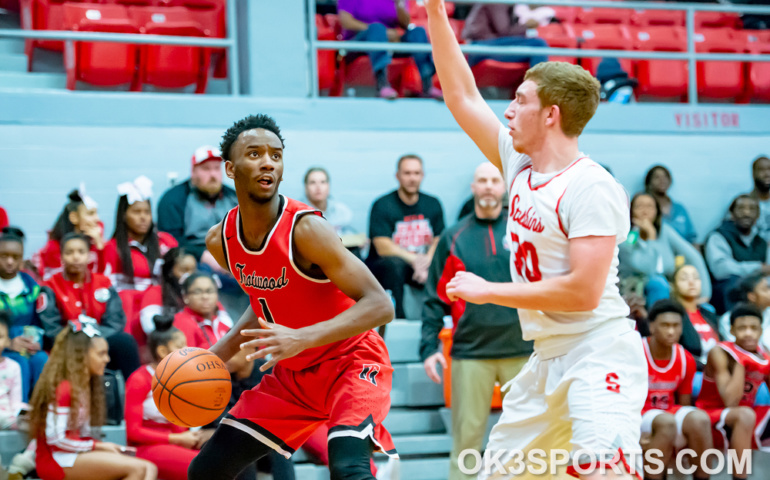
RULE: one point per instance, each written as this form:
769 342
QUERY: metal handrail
690 55
230 42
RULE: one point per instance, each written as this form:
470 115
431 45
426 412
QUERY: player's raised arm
214 245
459 87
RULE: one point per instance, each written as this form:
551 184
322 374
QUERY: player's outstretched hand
430 366
278 341
468 287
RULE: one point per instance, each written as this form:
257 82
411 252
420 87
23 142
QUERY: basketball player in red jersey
313 306
669 421
733 374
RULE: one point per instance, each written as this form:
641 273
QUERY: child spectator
76 293
669 421
203 320
754 289
10 379
67 403
79 215
170 447
132 254
731 380
650 251
656 183
20 299
701 330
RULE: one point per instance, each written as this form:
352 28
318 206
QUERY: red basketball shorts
350 393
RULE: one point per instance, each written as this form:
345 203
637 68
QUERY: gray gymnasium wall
49 142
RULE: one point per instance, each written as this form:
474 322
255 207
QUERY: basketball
191 387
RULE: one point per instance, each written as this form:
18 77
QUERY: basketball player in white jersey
584 387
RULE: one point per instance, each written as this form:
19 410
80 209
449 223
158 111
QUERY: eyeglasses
196 292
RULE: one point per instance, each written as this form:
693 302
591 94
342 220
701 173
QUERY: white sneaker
390 471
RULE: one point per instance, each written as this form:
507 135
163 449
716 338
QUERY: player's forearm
370 312
230 344
730 388
388 248
457 82
560 294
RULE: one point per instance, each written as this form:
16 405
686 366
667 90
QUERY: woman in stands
753 289
78 215
648 258
68 401
131 256
700 330
77 293
168 446
203 319
656 183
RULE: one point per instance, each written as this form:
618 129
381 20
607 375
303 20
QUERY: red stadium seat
661 79
212 16
758 73
559 36
100 63
597 16
719 80
417 10
43 15
656 18
12 5
604 37
402 75
491 73
717 20
326 59
566 14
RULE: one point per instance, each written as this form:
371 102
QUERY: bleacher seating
661 79
604 37
719 80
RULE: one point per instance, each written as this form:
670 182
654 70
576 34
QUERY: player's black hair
665 306
249 123
63 225
74 236
170 287
746 285
5 319
756 162
743 196
744 310
150 242
658 216
12 234
164 332
317 169
651 172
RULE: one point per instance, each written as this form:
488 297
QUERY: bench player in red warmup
733 374
669 421
313 306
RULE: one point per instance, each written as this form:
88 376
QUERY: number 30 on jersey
525 259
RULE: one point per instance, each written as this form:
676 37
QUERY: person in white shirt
585 385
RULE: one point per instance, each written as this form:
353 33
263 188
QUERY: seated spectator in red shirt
170 447
69 401
76 293
383 21
79 215
700 324
131 256
203 320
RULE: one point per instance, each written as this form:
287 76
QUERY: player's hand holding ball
278 341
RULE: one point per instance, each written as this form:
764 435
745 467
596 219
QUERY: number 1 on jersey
266 311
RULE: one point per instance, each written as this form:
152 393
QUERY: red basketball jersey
757 367
278 290
667 378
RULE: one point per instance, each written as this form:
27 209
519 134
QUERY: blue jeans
31 368
510 42
377 32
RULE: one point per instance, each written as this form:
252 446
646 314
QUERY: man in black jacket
487 346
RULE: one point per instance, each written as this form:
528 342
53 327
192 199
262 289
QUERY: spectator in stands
649 254
189 209
404 226
656 183
500 25
700 326
20 299
754 21
79 215
487 344
735 249
170 447
203 319
669 421
75 293
167 298
10 379
69 401
752 289
386 21
3 218
339 215
761 173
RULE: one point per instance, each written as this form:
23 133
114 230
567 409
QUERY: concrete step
420 468
404 421
11 45
32 80
402 338
413 388
436 444
13 62
310 472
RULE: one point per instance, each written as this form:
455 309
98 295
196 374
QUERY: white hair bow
137 191
88 202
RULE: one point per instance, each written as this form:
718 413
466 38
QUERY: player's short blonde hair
571 88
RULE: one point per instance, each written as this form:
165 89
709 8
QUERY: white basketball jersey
545 212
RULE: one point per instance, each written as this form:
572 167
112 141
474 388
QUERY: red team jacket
757 370
201 332
143 271
668 378
278 290
90 300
